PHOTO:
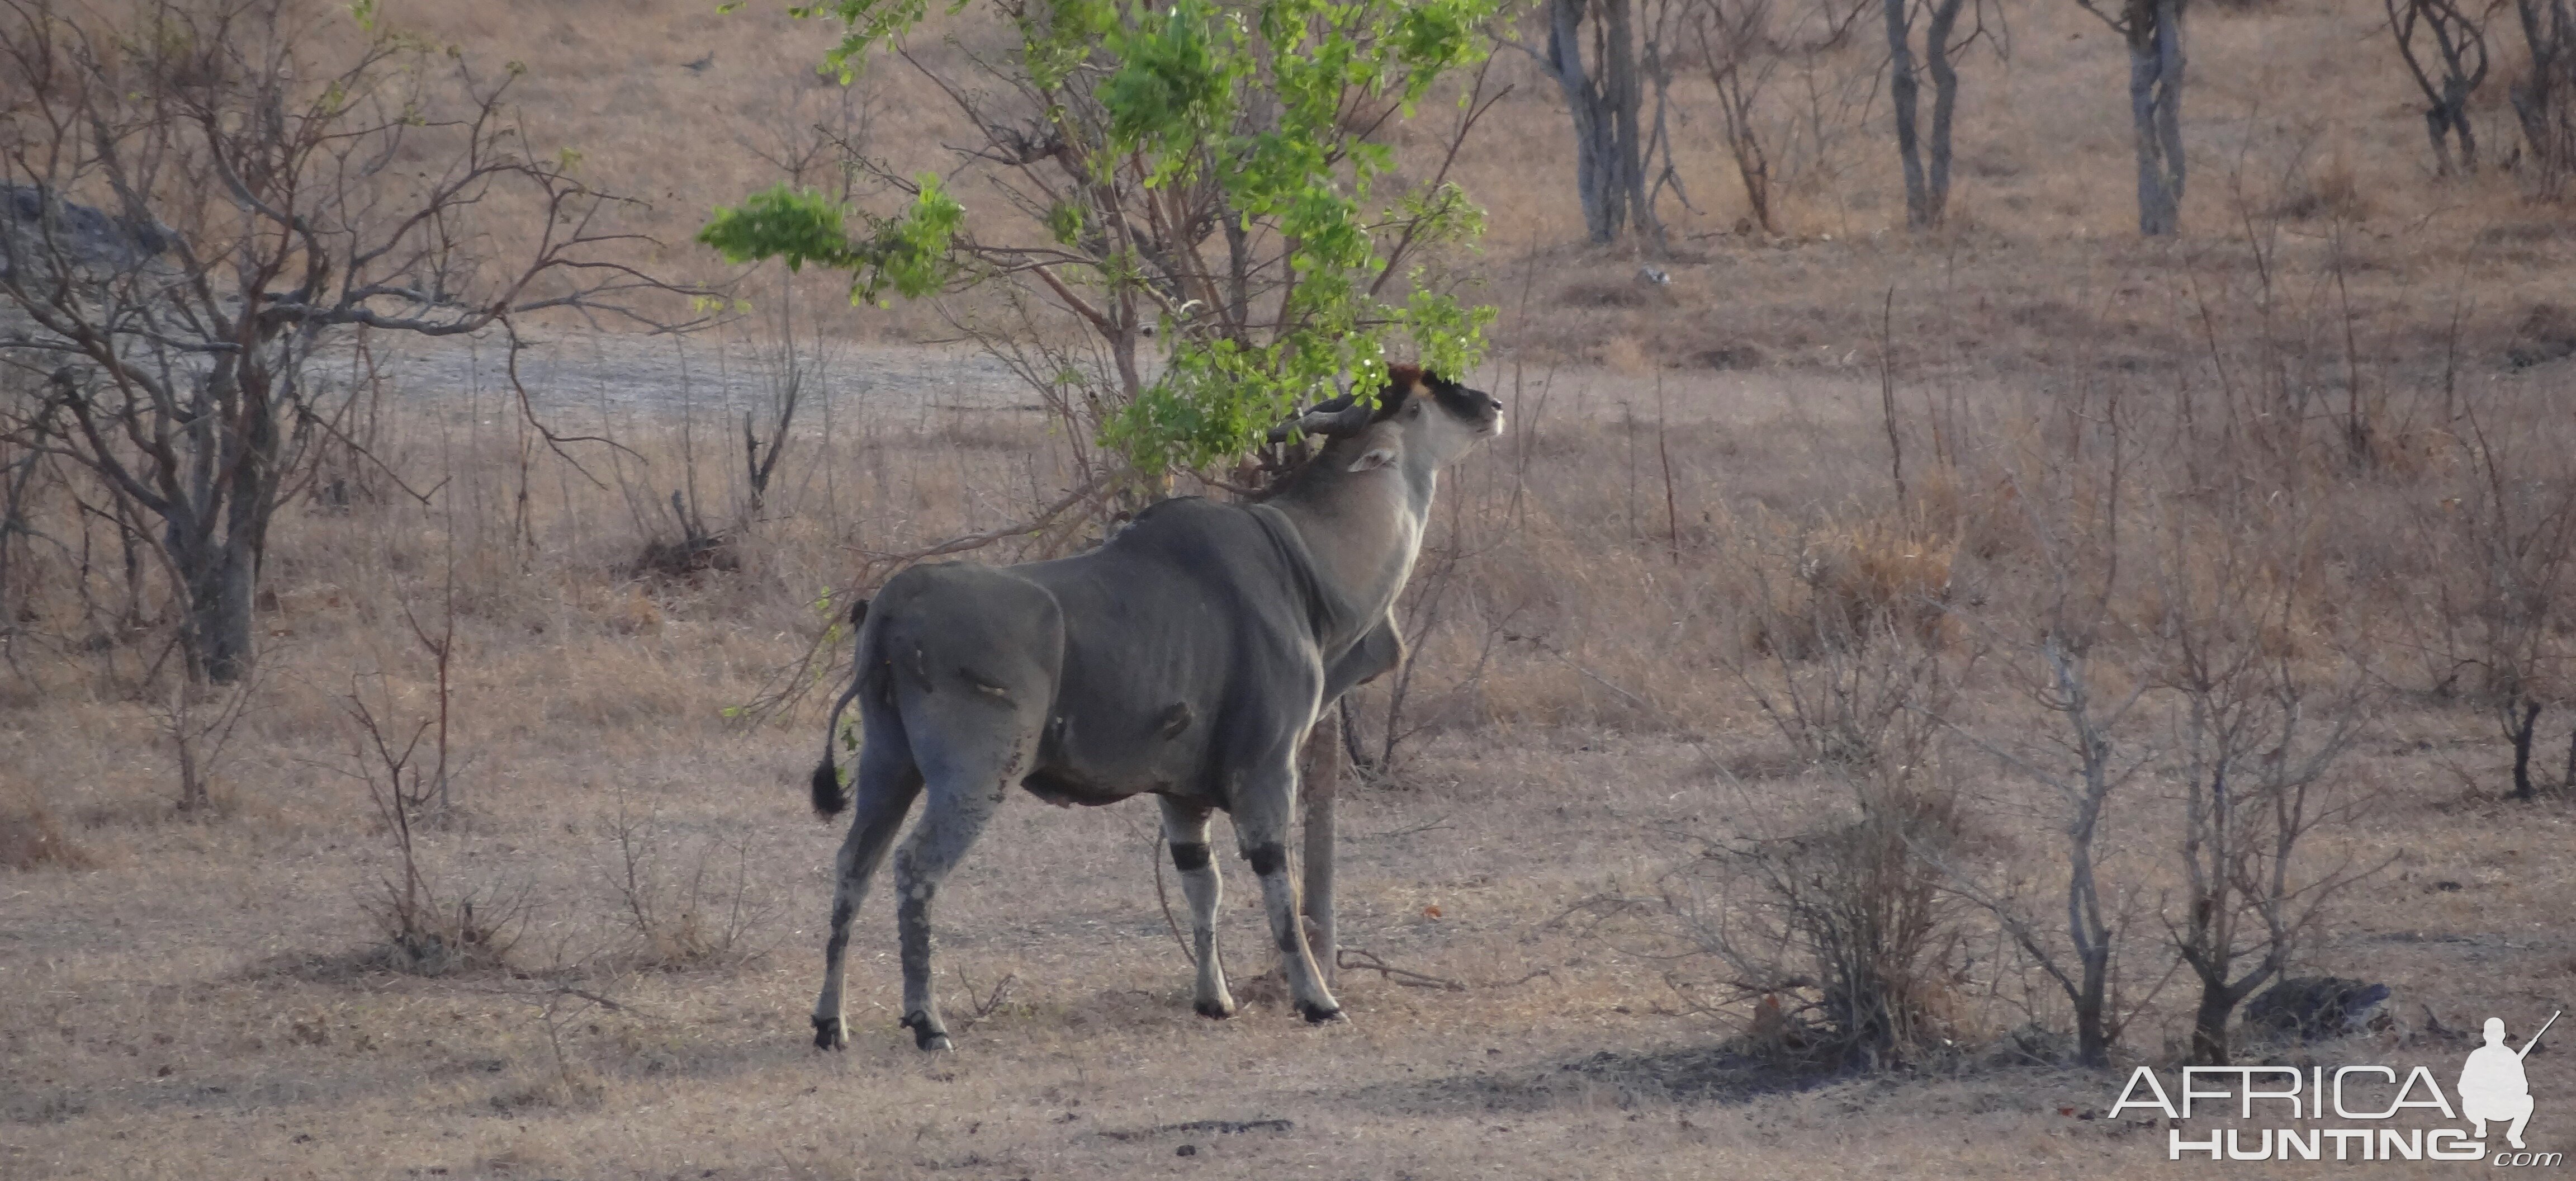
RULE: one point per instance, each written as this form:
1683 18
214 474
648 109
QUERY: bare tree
817 135
2503 547
1662 34
2444 46
2063 655
1926 164
1745 46
2154 32
2544 99
253 197
1736 48
1604 97
2252 739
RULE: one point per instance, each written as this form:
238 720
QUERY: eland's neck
1363 528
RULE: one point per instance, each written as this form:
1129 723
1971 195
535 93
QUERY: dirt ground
202 1005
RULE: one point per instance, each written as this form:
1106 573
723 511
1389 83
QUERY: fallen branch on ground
1352 957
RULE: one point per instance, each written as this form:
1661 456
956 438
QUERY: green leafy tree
1201 188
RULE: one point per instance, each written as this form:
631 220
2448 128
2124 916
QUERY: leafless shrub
199 719
2499 550
1841 939
699 916
1746 47
2254 732
558 1002
1840 936
2061 651
1845 659
408 769
2444 46
2544 98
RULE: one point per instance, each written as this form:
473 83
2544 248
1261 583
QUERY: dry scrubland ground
210 996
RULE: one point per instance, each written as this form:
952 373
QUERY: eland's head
1421 417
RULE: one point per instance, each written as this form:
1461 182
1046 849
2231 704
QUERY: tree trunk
2092 1019
1593 163
1902 93
2092 940
2519 723
1626 95
1945 104
2448 120
20 474
2437 126
2209 1023
2550 35
1609 164
2155 112
1320 779
223 580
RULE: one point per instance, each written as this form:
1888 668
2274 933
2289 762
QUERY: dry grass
31 836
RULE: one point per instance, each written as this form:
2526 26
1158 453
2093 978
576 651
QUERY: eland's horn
1345 415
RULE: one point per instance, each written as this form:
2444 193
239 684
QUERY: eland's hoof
1319 1016
926 1036
1214 1010
828 1034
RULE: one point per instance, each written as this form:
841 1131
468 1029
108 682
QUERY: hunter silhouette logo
2491 1089
2492 1086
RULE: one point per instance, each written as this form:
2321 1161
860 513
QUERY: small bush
700 917
425 937
31 837
1840 938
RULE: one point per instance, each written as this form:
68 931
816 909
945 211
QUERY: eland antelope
1185 658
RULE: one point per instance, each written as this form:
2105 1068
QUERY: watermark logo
2491 1087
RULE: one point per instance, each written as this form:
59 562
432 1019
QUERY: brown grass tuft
31 837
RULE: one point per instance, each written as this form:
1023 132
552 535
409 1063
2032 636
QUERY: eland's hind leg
1185 826
966 788
887 784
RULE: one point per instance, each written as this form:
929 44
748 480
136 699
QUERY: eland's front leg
1185 826
1261 823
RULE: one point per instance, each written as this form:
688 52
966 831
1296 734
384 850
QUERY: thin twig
1352 957
971 541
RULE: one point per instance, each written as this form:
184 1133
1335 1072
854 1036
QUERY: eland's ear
1375 457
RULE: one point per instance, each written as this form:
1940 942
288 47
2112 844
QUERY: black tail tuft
829 796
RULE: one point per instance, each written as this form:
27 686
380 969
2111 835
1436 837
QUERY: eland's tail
831 796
